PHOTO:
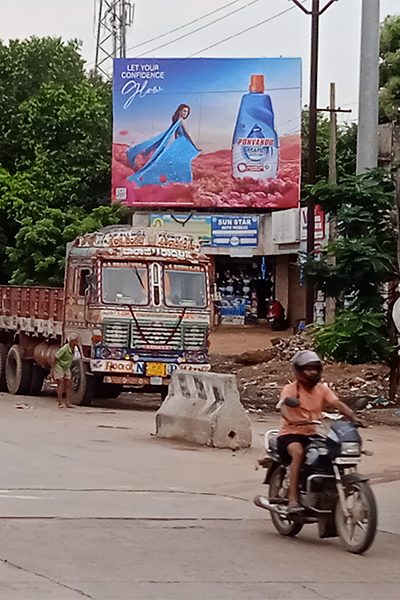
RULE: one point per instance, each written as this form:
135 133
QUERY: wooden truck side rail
32 310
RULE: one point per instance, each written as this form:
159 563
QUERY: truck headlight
351 449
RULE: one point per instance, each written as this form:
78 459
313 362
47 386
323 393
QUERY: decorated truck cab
138 300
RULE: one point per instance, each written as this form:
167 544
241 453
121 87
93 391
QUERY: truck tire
18 372
38 375
3 359
83 384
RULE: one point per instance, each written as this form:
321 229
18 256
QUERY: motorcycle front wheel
358 530
283 525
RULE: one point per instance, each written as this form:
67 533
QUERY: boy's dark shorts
285 440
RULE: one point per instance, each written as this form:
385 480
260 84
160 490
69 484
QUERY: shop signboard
234 231
319 223
207 132
194 224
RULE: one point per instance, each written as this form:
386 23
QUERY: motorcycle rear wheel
361 503
286 527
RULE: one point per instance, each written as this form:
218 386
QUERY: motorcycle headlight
351 449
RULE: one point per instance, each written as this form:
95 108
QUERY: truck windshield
183 287
125 285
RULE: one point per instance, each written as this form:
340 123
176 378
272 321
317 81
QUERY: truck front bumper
150 369
140 373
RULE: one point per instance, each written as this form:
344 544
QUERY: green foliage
55 144
346 148
357 264
389 70
356 337
40 245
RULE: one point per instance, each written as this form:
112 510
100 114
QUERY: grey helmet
305 357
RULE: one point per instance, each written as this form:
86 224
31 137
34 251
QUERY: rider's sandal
294 507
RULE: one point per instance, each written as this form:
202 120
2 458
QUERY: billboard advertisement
207 132
199 225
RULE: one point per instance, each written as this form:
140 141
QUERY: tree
55 153
38 255
346 148
389 70
365 260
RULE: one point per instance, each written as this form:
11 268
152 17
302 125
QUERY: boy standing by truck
62 371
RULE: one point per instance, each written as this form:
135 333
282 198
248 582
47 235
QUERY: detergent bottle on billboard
255 147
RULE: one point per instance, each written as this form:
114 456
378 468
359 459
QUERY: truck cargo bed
33 310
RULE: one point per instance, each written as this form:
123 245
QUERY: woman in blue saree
173 150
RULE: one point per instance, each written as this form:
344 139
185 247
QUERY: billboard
207 132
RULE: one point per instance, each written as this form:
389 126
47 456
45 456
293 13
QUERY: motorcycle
332 493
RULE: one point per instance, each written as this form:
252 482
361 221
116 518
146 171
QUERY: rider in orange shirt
297 426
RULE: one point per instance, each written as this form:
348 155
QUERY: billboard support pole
312 150
315 12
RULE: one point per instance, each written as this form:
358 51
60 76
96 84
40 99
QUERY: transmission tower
113 17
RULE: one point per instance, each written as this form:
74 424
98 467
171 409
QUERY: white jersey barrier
204 408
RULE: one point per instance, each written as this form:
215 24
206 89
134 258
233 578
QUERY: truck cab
139 301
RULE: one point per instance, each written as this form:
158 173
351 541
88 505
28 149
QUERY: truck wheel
83 384
38 375
3 358
107 390
18 372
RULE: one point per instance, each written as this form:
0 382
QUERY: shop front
249 270
244 288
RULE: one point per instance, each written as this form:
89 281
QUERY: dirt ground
226 340
260 359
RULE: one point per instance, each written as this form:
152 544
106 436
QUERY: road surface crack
308 588
42 576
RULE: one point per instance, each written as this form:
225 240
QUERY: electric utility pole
113 17
333 112
315 13
367 137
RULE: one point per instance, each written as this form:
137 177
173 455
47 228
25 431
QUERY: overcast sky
286 35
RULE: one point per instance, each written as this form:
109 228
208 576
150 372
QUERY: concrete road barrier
204 408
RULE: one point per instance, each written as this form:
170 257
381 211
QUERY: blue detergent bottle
255 146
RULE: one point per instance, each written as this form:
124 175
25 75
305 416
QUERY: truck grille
156 333
116 332
145 333
194 336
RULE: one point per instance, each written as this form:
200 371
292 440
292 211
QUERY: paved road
94 507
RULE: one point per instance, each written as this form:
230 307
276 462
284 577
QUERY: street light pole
315 12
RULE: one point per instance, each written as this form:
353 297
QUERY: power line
235 35
185 35
162 35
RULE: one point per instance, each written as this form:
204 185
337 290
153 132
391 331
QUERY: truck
138 300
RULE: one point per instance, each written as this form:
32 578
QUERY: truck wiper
138 276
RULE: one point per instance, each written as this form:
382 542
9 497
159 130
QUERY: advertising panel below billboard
218 231
199 225
234 232
210 133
